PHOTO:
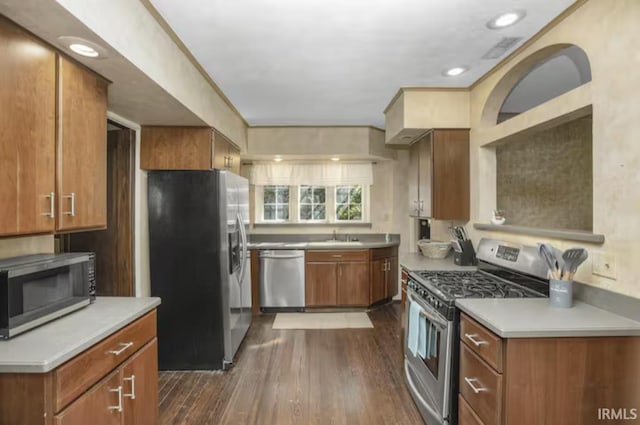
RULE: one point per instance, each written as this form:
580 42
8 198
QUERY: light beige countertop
322 245
416 261
44 348
535 318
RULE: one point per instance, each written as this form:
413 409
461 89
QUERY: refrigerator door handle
243 260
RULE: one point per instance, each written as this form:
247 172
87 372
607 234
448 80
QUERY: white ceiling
331 62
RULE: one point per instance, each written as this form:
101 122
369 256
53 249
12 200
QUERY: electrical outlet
604 264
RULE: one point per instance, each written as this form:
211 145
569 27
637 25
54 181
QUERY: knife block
466 257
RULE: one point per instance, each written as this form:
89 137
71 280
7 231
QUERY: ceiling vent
501 47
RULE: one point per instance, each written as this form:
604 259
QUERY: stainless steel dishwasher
281 280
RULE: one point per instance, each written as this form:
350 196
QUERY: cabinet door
234 159
320 284
413 178
27 123
392 277
425 176
139 377
353 284
220 151
82 148
378 280
175 148
98 406
451 175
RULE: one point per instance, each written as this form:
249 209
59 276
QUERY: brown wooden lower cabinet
384 274
545 380
337 278
84 391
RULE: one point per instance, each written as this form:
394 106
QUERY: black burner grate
474 285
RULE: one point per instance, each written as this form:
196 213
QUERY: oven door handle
427 312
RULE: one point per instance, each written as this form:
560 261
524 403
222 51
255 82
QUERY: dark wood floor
323 377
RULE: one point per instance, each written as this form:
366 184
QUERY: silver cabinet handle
132 394
415 206
72 212
475 389
421 205
474 340
230 162
124 345
337 256
118 390
52 205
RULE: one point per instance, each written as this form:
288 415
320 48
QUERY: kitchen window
276 203
348 203
313 203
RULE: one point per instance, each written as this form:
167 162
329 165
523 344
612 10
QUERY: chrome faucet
335 235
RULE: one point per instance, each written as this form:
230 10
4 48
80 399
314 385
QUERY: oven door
429 379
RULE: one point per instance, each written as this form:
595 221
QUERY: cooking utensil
573 258
547 252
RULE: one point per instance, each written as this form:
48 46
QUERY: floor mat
347 320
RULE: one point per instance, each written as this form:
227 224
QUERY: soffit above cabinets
336 62
317 143
413 111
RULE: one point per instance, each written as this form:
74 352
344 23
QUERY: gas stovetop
452 285
505 270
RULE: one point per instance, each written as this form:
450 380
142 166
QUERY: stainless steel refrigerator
199 266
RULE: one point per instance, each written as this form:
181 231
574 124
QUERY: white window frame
263 220
335 204
299 204
330 206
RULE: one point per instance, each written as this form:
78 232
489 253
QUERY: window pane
342 194
319 212
269 194
305 212
282 212
355 212
306 194
269 212
356 195
342 212
283 195
319 195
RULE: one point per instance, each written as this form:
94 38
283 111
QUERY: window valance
331 174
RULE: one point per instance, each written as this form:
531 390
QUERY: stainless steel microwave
36 289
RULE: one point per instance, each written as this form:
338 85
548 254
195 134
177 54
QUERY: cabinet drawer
78 374
466 415
483 342
481 387
337 256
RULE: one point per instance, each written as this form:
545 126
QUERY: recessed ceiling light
452 72
83 50
506 19
277 158
83 47
335 158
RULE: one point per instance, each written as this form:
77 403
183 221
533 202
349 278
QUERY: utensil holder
561 293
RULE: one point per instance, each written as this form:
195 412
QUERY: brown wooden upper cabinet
27 146
439 175
82 148
51 181
187 148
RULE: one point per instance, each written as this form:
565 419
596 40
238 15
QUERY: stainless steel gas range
505 270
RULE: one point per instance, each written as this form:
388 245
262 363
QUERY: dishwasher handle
272 254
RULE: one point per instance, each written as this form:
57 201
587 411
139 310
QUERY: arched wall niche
542 76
